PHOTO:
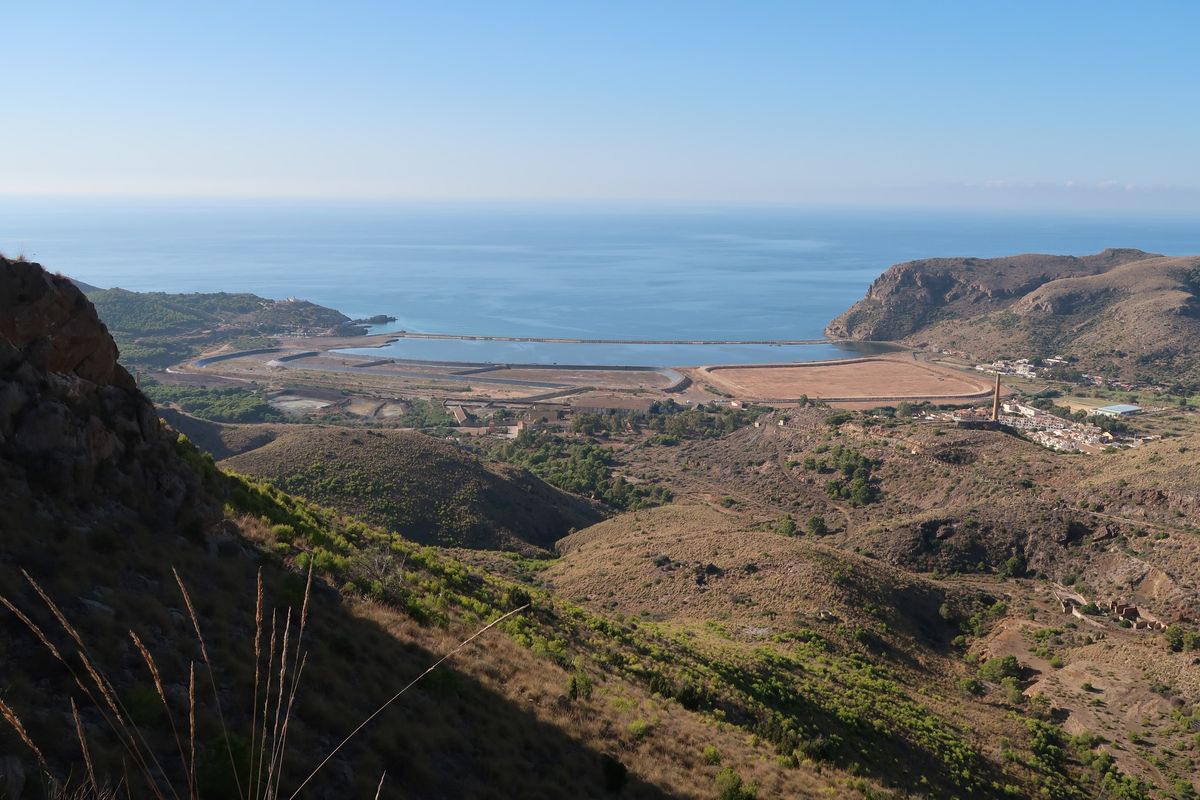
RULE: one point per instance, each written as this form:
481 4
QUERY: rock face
54 327
75 432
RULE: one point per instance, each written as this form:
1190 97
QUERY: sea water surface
561 272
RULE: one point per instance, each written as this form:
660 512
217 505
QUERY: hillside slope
100 504
429 490
1120 312
555 702
725 676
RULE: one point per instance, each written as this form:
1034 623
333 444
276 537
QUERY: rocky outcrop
909 296
75 432
51 324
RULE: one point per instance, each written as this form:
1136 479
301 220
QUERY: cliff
1121 312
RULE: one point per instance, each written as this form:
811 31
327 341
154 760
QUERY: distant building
1118 410
1021 409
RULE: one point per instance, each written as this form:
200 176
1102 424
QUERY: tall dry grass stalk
278 670
192 791
258 631
212 678
162 695
110 711
15 722
83 746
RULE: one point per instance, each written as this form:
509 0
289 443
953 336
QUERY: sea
553 271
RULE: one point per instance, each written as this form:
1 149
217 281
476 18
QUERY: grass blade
398 694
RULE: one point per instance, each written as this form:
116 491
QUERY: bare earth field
381 378
851 380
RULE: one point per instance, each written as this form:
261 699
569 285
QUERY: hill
689 561
623 670
156 329
1121 313
431 491
953 510
100 505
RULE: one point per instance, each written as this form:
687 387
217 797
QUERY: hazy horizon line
615 203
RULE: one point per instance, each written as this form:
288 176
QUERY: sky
1068 105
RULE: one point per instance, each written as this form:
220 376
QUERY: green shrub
971 686
711 755
996 669
639 729
1012 691
283 533
730 786
1174 637
579 687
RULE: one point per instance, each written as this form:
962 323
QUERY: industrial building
1118 410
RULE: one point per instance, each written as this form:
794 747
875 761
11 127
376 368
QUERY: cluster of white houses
1048 430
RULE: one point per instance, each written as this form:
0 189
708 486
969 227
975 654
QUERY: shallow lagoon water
646 355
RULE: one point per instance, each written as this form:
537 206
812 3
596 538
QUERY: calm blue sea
669 273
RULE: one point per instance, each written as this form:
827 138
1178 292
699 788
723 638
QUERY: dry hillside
1120 312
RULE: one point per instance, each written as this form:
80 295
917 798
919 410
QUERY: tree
1174 635
1014 567
816 526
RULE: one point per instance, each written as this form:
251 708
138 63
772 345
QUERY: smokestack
996 400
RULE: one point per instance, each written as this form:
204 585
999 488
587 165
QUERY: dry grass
282 670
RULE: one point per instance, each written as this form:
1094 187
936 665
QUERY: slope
559 700
1120 312
563 703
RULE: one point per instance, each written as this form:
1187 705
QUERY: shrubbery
854 482
218 405
579 467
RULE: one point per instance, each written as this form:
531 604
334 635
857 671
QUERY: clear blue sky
1072 105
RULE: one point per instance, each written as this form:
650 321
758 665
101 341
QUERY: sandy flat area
854 379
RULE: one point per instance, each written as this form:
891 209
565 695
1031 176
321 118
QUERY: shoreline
398 335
